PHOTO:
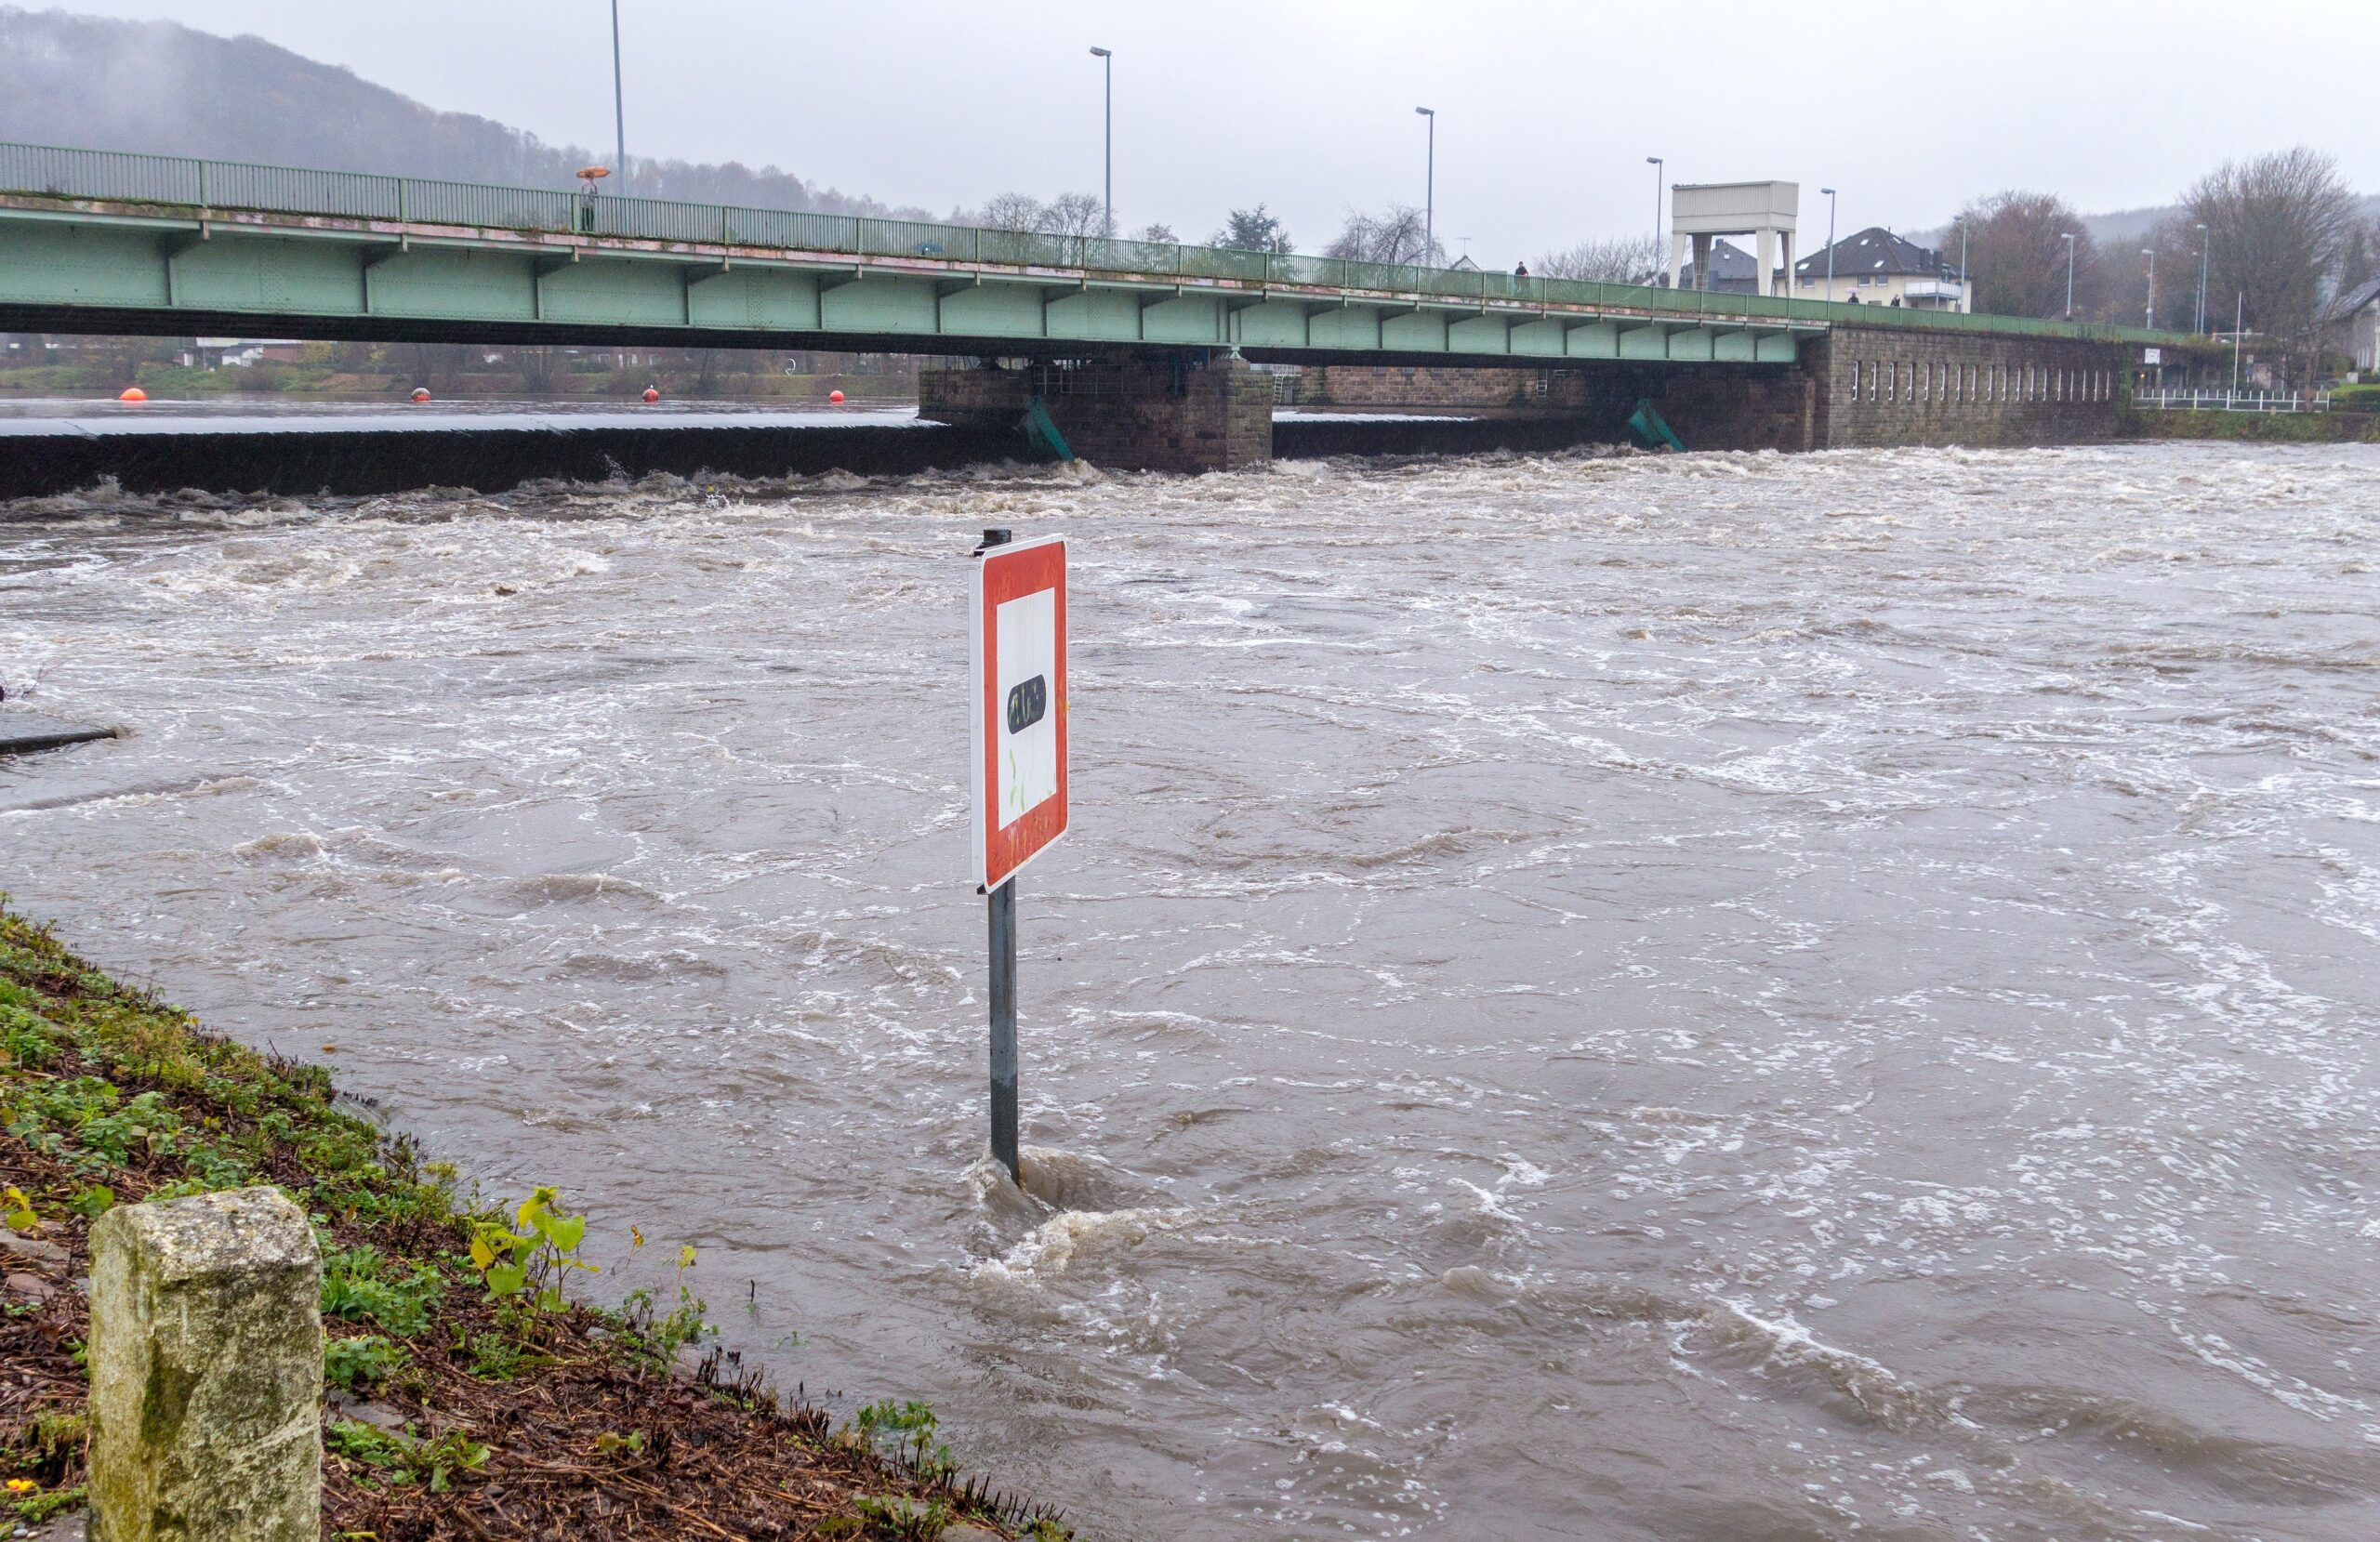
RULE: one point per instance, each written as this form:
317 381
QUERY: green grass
2252 428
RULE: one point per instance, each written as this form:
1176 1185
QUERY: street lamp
1107 137
1660 262
1830 241
1429 191
2069 239
2150 253
1966 296
2202 278
2238 325
619 110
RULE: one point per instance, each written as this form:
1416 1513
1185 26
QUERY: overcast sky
1546 111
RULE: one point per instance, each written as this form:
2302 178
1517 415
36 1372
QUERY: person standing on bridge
1520 269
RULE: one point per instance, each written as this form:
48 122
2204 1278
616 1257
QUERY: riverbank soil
451 1410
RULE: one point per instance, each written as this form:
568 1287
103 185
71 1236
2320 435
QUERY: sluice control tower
1702 211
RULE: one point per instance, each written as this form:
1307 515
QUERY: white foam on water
1847 964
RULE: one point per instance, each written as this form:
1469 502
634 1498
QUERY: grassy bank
466 1396
2252 428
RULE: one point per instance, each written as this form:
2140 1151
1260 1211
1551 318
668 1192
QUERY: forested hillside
160 86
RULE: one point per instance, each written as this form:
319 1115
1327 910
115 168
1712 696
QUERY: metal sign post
1017 653
1002 903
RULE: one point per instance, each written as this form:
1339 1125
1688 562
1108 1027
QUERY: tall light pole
1660 245
619 109
1429 190
2202 280
1966 296
2150 253
1107 57
1830 241
2239 324
2069 239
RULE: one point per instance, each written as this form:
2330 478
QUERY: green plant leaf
506 1279
565 1231
20 1215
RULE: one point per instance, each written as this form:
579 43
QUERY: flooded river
1708 998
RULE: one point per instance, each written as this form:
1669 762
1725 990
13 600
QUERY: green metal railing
113 175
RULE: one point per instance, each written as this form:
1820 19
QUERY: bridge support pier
1171 413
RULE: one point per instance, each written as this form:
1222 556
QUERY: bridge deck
99 242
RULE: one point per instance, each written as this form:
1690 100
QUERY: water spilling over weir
1706 997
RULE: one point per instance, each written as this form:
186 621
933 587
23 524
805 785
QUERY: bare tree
1395 236
1073 214
1256 229
1011 211
1157 232
2125 271
2280 232
2017 260
1617 260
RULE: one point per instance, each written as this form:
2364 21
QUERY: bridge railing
120 177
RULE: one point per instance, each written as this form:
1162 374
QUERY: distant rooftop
1874 250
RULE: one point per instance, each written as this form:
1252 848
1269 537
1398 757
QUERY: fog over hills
163 87
2113 230
167 88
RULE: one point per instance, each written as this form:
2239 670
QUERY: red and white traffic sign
1017 649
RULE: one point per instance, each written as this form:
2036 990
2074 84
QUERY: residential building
2358 325
1876 267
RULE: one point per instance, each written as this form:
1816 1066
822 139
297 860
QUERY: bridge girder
98 270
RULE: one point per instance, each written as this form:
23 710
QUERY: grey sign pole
1002 907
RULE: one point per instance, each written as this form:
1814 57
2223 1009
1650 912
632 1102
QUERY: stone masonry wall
1712 407
974 398
1433 386
1854 387
1893 387
1163 415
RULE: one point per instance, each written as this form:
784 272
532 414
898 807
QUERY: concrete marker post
206 1371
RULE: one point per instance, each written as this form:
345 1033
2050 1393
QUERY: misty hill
163 87
2116 230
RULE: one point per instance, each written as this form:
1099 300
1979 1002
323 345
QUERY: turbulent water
1700 997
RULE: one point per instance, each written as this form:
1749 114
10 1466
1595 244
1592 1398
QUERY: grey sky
1546 110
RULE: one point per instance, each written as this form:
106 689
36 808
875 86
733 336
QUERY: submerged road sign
1017 648
1017 633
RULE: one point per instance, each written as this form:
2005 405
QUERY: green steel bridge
102 242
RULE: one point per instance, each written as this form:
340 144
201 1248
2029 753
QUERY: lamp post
2202 280
1966 296
2239 323
2150 253
619 110
1830 241
1429 190
1660 246
2069 239
1107 57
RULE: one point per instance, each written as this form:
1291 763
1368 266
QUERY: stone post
206 1372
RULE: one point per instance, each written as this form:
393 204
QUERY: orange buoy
836 397
421 393
651 394
133 393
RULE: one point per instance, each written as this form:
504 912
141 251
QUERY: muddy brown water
1705 997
